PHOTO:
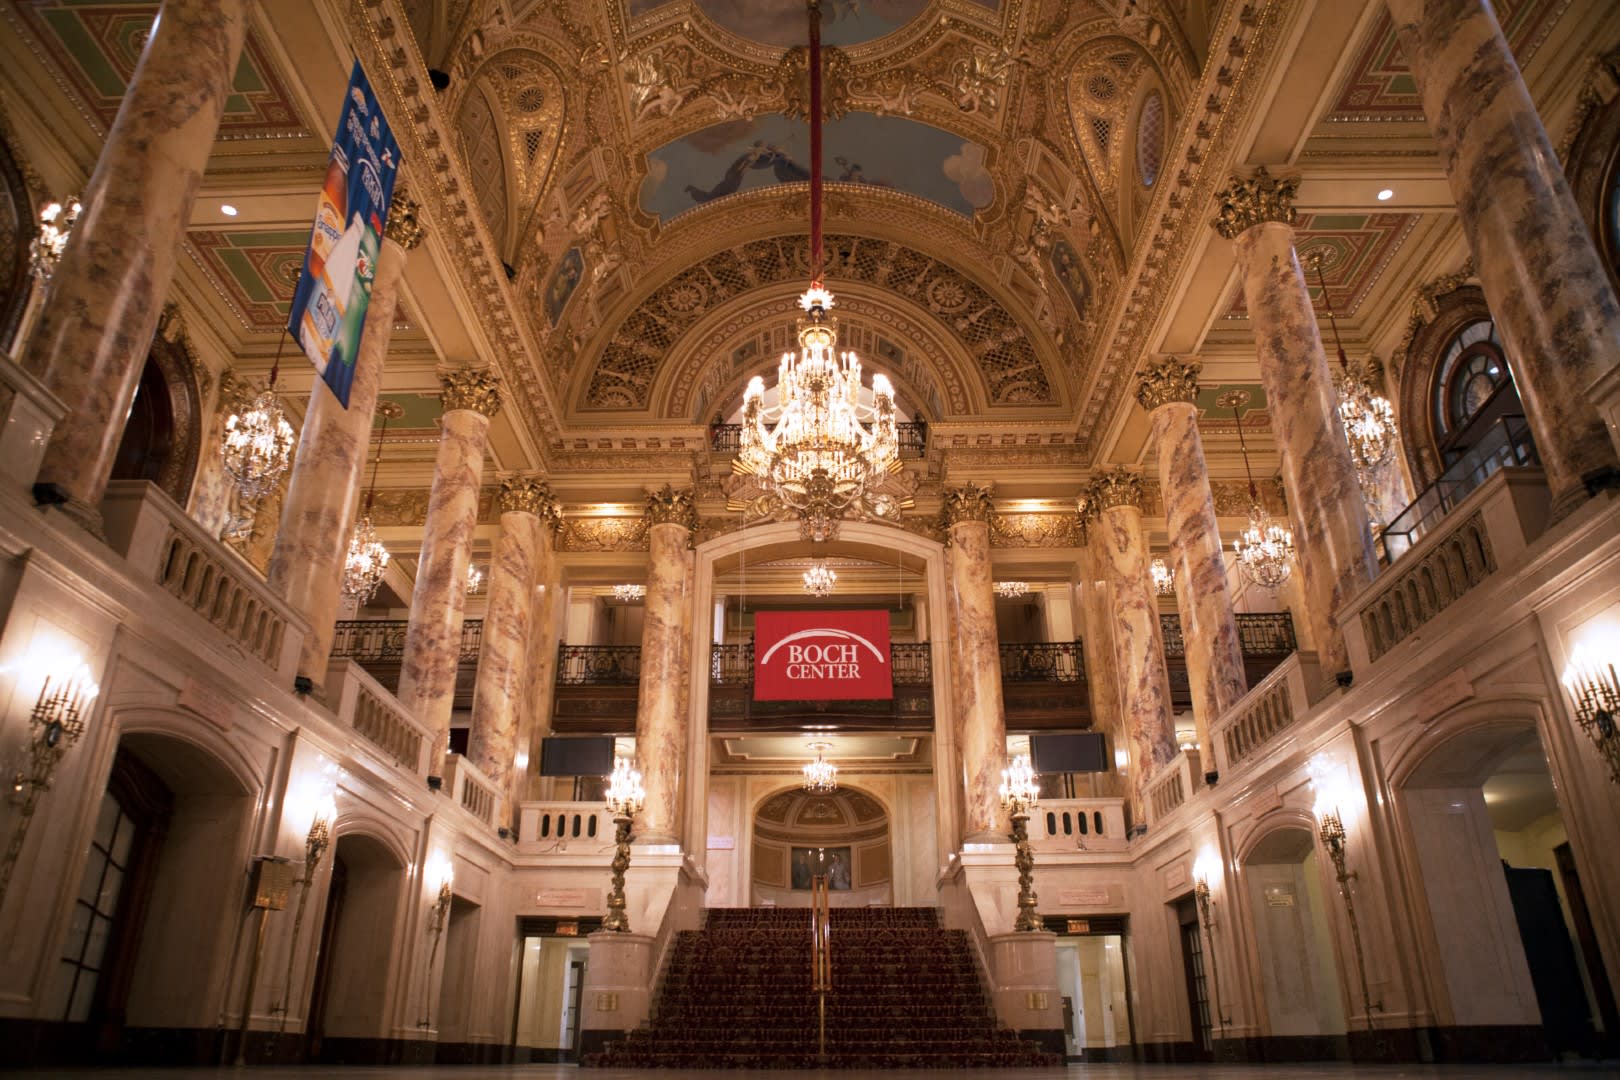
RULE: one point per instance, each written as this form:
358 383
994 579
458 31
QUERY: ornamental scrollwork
1247 203
1115 487
970 502
476 389
672 506
1167 380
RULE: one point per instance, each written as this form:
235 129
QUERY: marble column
1097 644
1115 498
427 677
106 295
1167 389
1331 533
545 631
981 722
660 723
318 514
1542 276
503 656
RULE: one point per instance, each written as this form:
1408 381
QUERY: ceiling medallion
820 775
1011 590
367 559
819 450
820 578
629 594
1164 578
1265 551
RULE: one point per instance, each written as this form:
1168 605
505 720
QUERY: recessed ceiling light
1386 195
230 211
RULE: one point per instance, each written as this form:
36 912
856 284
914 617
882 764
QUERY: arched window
1472 370
1150 138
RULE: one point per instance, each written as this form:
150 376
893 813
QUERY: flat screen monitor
1084 752
576 756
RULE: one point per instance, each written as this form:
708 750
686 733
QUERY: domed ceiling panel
782 22
861 148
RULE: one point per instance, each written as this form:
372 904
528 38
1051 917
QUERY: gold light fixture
1265 551
475 578
1368 417
1020 792
56 221
367 558
1164 577
1593 686
629 594
1206 867
439 874
820 579
820 775
819 451
1330 783
316 841
625 798
258 445
1011 590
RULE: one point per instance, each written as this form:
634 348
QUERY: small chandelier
820 578
1265 551
1011 590
367 560
258 446
819 451
56 220
1594 687
1368 417
1020 788
1164 578
820 775
475 579
629 594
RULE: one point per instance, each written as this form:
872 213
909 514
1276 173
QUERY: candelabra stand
1206 916
441 911
1332 833
1019 794
1595 690
625 798
56 724
315 845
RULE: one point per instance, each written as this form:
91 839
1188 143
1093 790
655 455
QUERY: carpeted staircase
906 994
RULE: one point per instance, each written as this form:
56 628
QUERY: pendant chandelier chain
815 144
376 464
1254 492
1333 322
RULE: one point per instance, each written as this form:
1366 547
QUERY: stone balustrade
165 546
471 790
1270 707
1078 825
365 706
562 826
1488 530
1173 786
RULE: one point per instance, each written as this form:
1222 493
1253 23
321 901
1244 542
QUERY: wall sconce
625 797
440 873
55 724
316 841
1020 791
1207 867
1590 679
1331 783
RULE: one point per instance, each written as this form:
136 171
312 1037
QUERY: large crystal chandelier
820 578
1368 417
1011 590
1163 575
258 445
819 449
629 594
475 579
367 559
1265 551
820 775
56 221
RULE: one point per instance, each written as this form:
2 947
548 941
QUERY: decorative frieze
672 506
1167 380
970 502
477 389
1247 203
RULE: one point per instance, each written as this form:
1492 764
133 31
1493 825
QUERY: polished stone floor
1073 1072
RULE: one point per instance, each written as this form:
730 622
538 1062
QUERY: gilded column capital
404 226
1246 203
471 388
528 495
672 506
1166 380
1114 487
970 502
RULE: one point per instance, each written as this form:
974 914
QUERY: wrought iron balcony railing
1056 661
598 665
1262 634
371 641
733 665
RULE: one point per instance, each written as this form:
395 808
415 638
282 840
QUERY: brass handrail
821 953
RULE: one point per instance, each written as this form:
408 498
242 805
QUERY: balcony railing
1508 442
370 641
1045 662
913 438
1260 634
733 665
598 665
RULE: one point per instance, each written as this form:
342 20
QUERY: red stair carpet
906 994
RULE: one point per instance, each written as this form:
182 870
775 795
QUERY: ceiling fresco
783 23
861 148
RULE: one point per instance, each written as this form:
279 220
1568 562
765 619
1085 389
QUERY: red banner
822 656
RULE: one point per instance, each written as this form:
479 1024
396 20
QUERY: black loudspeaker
592 756
1084 752
439 79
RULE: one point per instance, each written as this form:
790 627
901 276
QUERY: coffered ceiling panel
1356 249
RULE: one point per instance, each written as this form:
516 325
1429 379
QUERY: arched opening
1298 971
148 439
162 436
1515 944
352 1004
844 835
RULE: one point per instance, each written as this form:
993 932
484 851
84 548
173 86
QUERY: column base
53 498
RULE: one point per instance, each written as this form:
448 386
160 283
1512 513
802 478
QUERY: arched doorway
1299 975
353 997
162 434
845 833
1513 939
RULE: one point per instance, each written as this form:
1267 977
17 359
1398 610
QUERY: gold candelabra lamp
438 870
55 724
1328 782
1206 867
1019 794
625 798
1594 688
316 842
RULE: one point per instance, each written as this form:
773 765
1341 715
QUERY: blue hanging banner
329 305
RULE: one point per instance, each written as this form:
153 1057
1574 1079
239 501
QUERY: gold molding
970 502
1116 486
672 506
1167 380
1245 203
477 389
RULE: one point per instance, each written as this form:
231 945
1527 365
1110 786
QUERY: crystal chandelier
1265 551
258 445
367 560
475 579
56 222
820 775
1164 578
819 450
1011 590
820 578
627 594
1368 417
